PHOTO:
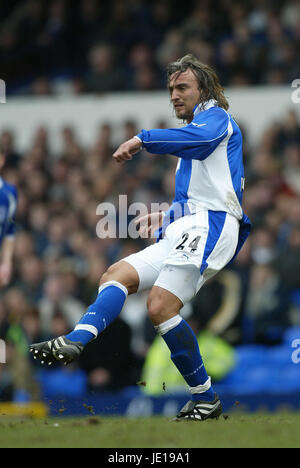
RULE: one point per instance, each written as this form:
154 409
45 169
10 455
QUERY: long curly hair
207 78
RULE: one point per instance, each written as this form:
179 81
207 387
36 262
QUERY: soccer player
8 206
200 234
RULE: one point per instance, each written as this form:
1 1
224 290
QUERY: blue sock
101 313
185 354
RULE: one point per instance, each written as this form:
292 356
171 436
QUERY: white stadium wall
255 108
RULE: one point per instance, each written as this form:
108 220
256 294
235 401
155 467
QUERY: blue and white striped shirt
210 170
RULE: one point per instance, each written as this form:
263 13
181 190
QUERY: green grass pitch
267 430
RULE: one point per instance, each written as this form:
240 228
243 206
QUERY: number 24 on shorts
192 245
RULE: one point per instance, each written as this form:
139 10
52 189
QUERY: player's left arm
196 140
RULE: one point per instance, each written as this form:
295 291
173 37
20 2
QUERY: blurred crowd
77 46
59 259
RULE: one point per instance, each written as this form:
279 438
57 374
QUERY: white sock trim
88 328
168 325
113 283
201 388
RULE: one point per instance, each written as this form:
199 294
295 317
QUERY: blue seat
286 381
249 355
278 357
291 334
295 297
251 371
263 370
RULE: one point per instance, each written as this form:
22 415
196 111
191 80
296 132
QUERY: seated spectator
218 306
289 261
17 376
31 278
104 75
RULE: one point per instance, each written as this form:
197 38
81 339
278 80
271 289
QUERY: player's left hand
127 150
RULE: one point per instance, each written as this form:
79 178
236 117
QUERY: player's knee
117 272
162 305
109 274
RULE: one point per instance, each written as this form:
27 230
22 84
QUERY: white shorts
194 249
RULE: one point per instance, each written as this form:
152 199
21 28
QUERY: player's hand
149 223
127 150
5 273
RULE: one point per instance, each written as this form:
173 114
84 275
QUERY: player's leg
136 272
207 243
120 280
125 277
164 311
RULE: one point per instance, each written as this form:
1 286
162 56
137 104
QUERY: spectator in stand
56 301
105 75
7 143
117 372
268 307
